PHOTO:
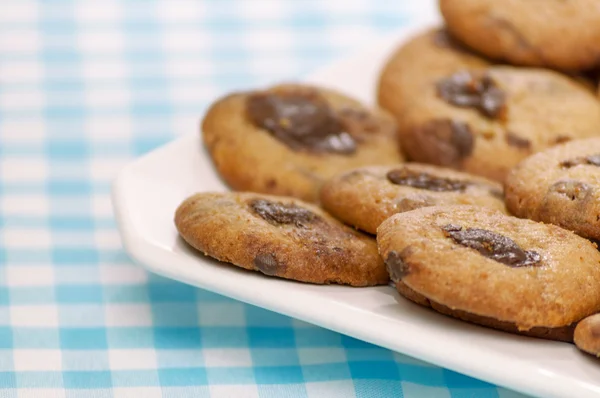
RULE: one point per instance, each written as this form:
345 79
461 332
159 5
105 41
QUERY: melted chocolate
468 90
591 160
424 181
492 245
282 214
302 120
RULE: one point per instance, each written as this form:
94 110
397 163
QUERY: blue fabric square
177 338
130 337
83 338
94 379
36 379
216 337
170 291
6 339
278 374
135 378
271 337
79 294
383 370
8 380
230 375
33 338
183 377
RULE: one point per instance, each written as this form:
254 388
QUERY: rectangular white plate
147 192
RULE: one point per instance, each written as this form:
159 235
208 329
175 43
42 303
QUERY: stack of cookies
473 188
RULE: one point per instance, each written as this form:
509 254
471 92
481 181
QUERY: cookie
559 34
365 197
560 186
278 236
288 139
485 121
413 66
493 269
587 335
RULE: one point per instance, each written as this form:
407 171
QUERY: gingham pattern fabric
84 88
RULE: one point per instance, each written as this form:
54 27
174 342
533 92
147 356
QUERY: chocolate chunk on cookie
279 236
288 139
560 186
484 121
499 271
587 335
365 197
555 34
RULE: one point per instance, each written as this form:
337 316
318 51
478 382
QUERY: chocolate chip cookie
278 236
485 267
485 121
587 335
415 65
560 186
365 197
557 34
288 139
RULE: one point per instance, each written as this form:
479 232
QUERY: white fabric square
20 170
27 238
215 357
37 360
221 314
29 275
27 205
228 391
110 69
13 72
41 392
121 315
102 206
107 11
21 12
21 100
122 274
333 389
145 392
20 131
132 359
418 390
34 315
100 42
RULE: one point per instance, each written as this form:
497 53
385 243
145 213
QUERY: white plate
147 192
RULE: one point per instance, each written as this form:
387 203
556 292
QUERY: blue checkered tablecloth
84 88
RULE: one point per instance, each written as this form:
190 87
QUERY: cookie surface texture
587 335
288 139
365 197
485 121
278 236
484 263
554 34
414 65
560 186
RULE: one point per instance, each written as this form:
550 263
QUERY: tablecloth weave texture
84 88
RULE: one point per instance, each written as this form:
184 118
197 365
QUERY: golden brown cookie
365 197
281 237
288 139
555 34
425 58
485 121
587 335
560 186
481 262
